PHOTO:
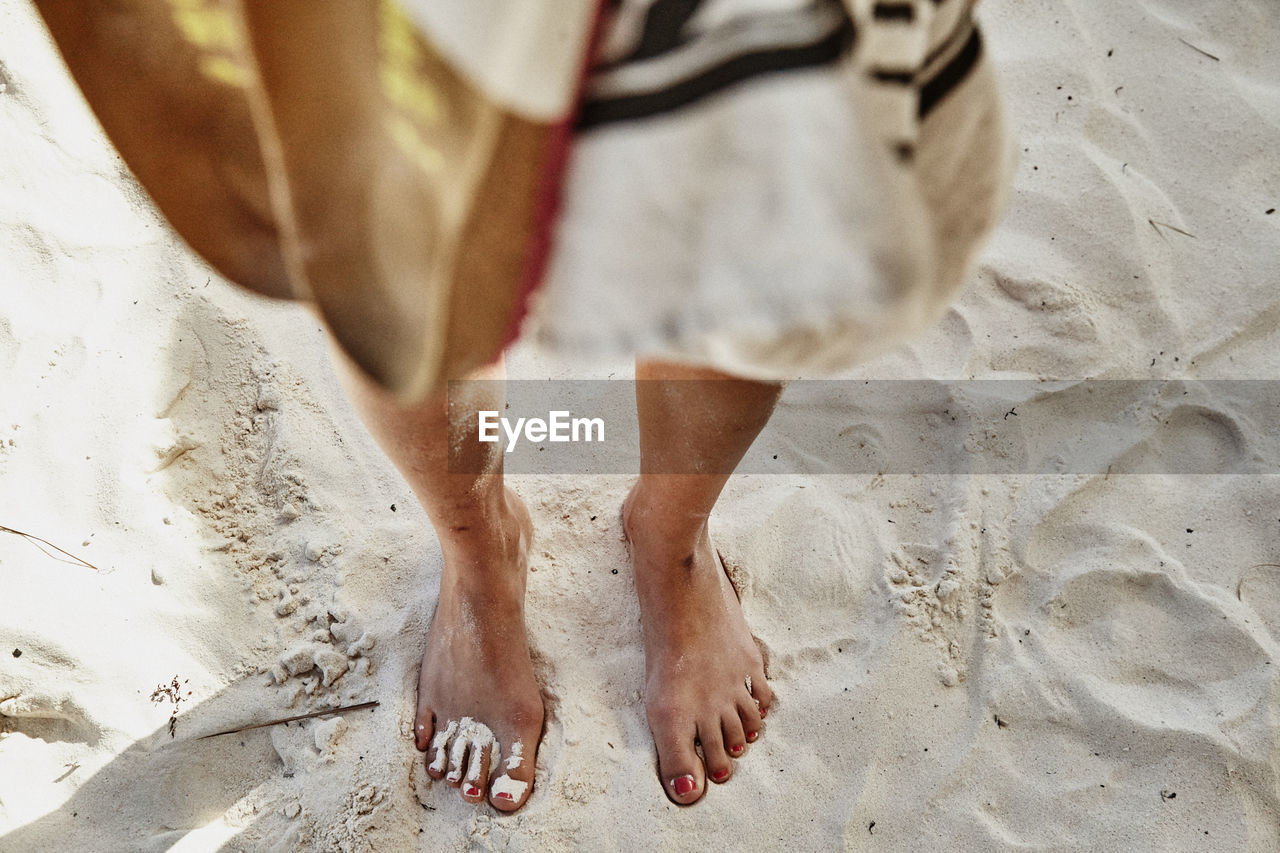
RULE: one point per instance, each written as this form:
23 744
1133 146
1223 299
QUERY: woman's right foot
480 713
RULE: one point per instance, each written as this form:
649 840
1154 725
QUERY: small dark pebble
872 826
1269 212
615 571
1189 530
593 518
17 653
393 507
775 456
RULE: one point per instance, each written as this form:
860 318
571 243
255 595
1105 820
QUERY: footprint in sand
31 702
805 548
1192 439
1259 589
1119 619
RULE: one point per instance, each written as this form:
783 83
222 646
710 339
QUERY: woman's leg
703 673
476 666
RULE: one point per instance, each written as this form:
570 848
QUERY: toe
735 738
508 793
679 767
752 722
423 725
480 757
718 765
762 694
513 778
459 753
438 750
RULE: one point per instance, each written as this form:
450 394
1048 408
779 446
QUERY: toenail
472 791
736 749
751 736
505 795
763 713
720 775
683 785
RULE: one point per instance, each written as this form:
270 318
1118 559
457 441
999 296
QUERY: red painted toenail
751 736
737 749
763 713
720 775
504 795
683 785
472 791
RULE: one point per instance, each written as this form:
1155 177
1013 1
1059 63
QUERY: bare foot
479 707
704 676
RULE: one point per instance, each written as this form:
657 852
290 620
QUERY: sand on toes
480 712
705 691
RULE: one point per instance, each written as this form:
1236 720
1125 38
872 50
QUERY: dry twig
322 713
1199 50
40 543
1158 225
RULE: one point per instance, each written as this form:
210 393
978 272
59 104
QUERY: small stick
37 541
324 713
1158 225
1199 50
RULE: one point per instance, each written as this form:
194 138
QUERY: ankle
479 518
652 523
485 545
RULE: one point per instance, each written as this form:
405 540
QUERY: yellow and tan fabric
333 151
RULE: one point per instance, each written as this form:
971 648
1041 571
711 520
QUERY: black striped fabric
701 67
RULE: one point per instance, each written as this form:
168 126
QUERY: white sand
190 442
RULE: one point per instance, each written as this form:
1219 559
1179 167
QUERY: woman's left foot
704 676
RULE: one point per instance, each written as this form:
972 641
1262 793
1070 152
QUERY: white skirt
735 201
